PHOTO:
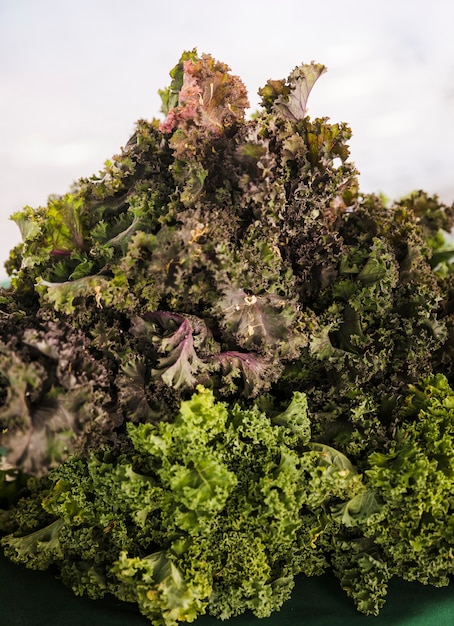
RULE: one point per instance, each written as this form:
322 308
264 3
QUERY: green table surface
29 598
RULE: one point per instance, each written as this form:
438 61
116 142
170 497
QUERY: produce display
222 365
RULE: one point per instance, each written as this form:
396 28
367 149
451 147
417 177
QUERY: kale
56 395
217 510
222 364
412 480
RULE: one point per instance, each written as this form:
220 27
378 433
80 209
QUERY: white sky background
75 76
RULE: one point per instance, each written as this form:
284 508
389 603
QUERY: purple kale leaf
179 364
261 322
247 371
290 99
209 98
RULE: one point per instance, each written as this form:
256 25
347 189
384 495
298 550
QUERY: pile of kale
222 365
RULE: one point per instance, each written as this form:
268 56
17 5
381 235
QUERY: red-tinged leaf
210 97
254 371
257 322
179 363
293 104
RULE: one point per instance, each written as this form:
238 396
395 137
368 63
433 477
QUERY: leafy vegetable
217 510
413 482
222 365
55 394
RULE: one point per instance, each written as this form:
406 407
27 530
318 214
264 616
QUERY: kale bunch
239 254
403 524
216 511
413 480
55 392
232 263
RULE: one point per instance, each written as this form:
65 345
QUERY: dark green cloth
30 598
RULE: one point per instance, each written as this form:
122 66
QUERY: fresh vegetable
413 481
405 521
222 365
217 510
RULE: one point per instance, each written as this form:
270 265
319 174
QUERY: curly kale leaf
58 229
289 98
210 106
157 585
180 363
295 419
39 549
208 97
293 105
245 371
256 322
198 481
363 572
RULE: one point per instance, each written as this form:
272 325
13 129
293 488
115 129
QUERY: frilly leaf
180 363
209 97
169 96
291 102
253 370
295 417
260 322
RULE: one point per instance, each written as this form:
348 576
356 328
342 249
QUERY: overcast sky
75 76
